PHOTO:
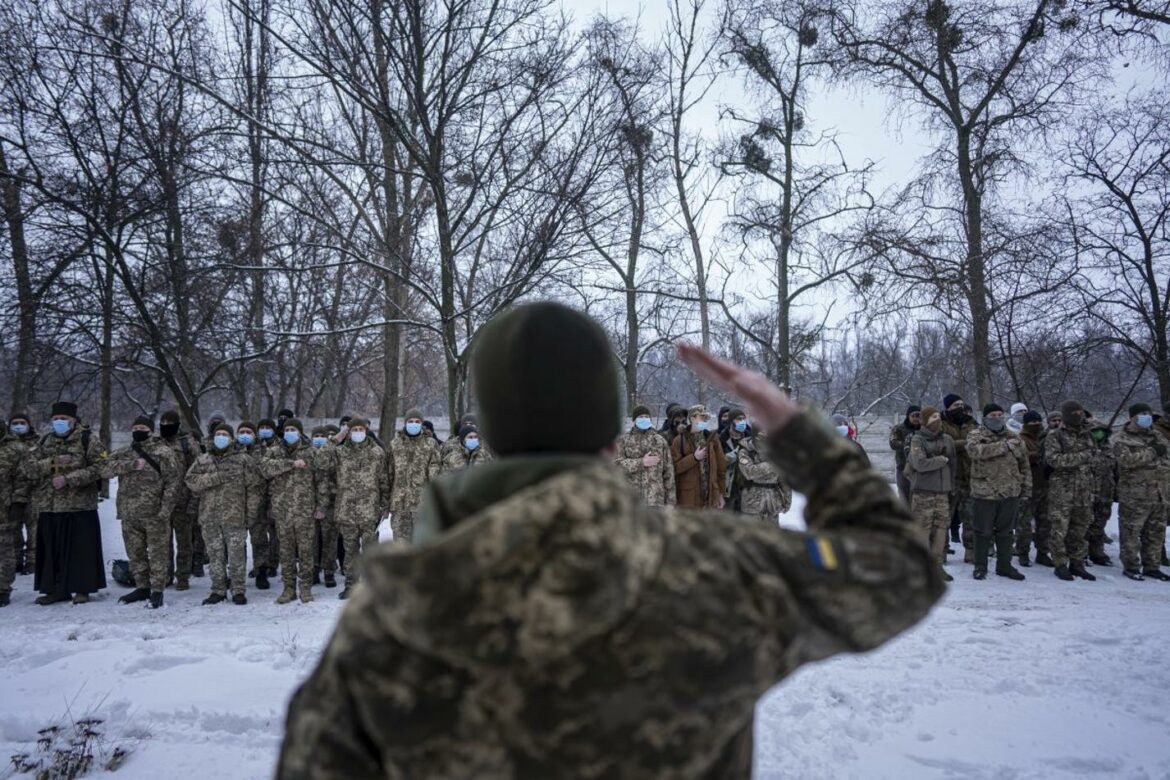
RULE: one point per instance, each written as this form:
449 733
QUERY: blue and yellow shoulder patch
822 554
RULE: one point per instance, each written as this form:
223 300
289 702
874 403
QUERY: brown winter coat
688 471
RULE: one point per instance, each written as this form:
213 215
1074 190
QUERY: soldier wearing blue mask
699 464
14 447
644 457
412 460
261 533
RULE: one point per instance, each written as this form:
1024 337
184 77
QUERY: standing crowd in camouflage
1020 482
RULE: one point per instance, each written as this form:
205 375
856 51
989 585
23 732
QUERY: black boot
1044 559
1063 573
1134 575
344 593
156 599
262 579
214 598
330 580
980 574
1077 568
1100 559
1156 574
982 547
197 570
1010 573
316 576
134 596
1025 561
5 599
239 599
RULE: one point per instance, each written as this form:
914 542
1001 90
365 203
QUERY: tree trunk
26 304
976 271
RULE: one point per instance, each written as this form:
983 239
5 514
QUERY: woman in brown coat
699 464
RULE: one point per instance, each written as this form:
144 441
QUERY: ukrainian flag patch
820 550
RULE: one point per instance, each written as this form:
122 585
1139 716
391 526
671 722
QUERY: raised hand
765 402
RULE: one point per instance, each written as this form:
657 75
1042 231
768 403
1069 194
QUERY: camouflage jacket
411 462
656 485
931 462
83 474
228 485
959 434
1143 474
357 478
13 449
148 492
1036 461
1070 453
756 482
12 454
999 464
576 631
293 492
1104 468
258 506
186 449
900 436
459 457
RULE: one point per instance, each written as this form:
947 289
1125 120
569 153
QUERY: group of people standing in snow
1019 481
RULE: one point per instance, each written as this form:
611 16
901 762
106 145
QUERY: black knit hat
19 416
1140 408
989 408
949 399
223 427
287 413
1032 417
245 424
639 410
413 414
142 419
467 430
169 416
293 422
532 363
733 412
268 422
64 407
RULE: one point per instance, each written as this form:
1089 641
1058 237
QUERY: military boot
1077 569
239 599
1044 559
286 595
197 570
344 593
134 596
183 585
262 579
330 580
214 598
1062 572
1156 574
1099 558
1134 575
156 599
306 594
982 548
1025 561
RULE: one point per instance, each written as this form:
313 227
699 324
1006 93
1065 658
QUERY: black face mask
1034 428
168 430
140 436
957 416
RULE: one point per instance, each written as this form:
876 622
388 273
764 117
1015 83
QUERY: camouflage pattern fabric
458 457
655 485
411 462
69 457
961 506
1143 493
759 485
574 627
1032 524
21 522
261 528
326 491
10 465
357 476
1070 453
229 487
1104 493
292 495
184 519
998 465
147 498
933 512
900 437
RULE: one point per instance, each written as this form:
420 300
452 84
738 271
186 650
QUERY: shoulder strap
146 457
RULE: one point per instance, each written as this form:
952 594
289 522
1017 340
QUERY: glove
1159 448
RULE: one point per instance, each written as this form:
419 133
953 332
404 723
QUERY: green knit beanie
533 364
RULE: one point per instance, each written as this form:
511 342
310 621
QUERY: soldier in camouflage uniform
900 436
229 488
756 488
293 492
263 533
575 630
1143 492
1000 478
644 457
958 424
412 460
12 452
930 465
326 526
1032 525
469 450
185 519
21 438
453 443
263 553
1104 493
361 493
149 477
1070 452
65 471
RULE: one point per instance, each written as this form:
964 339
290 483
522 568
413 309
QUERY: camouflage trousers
1032 526
327 547
227 554
182 544
297 536
265 546
933 512
402 525
356 538
23 535
1069 516
1095 536
148 548
1143 533
7 554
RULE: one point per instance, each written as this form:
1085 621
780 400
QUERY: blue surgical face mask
62 427
222 441
291 437
20 429
843 430
319 441
471 443
741 426
1145 420
266 433
246 439
643 423
413 429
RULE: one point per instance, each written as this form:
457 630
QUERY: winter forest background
251 204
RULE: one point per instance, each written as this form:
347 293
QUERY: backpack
120 570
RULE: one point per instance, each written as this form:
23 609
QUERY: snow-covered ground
1003 680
